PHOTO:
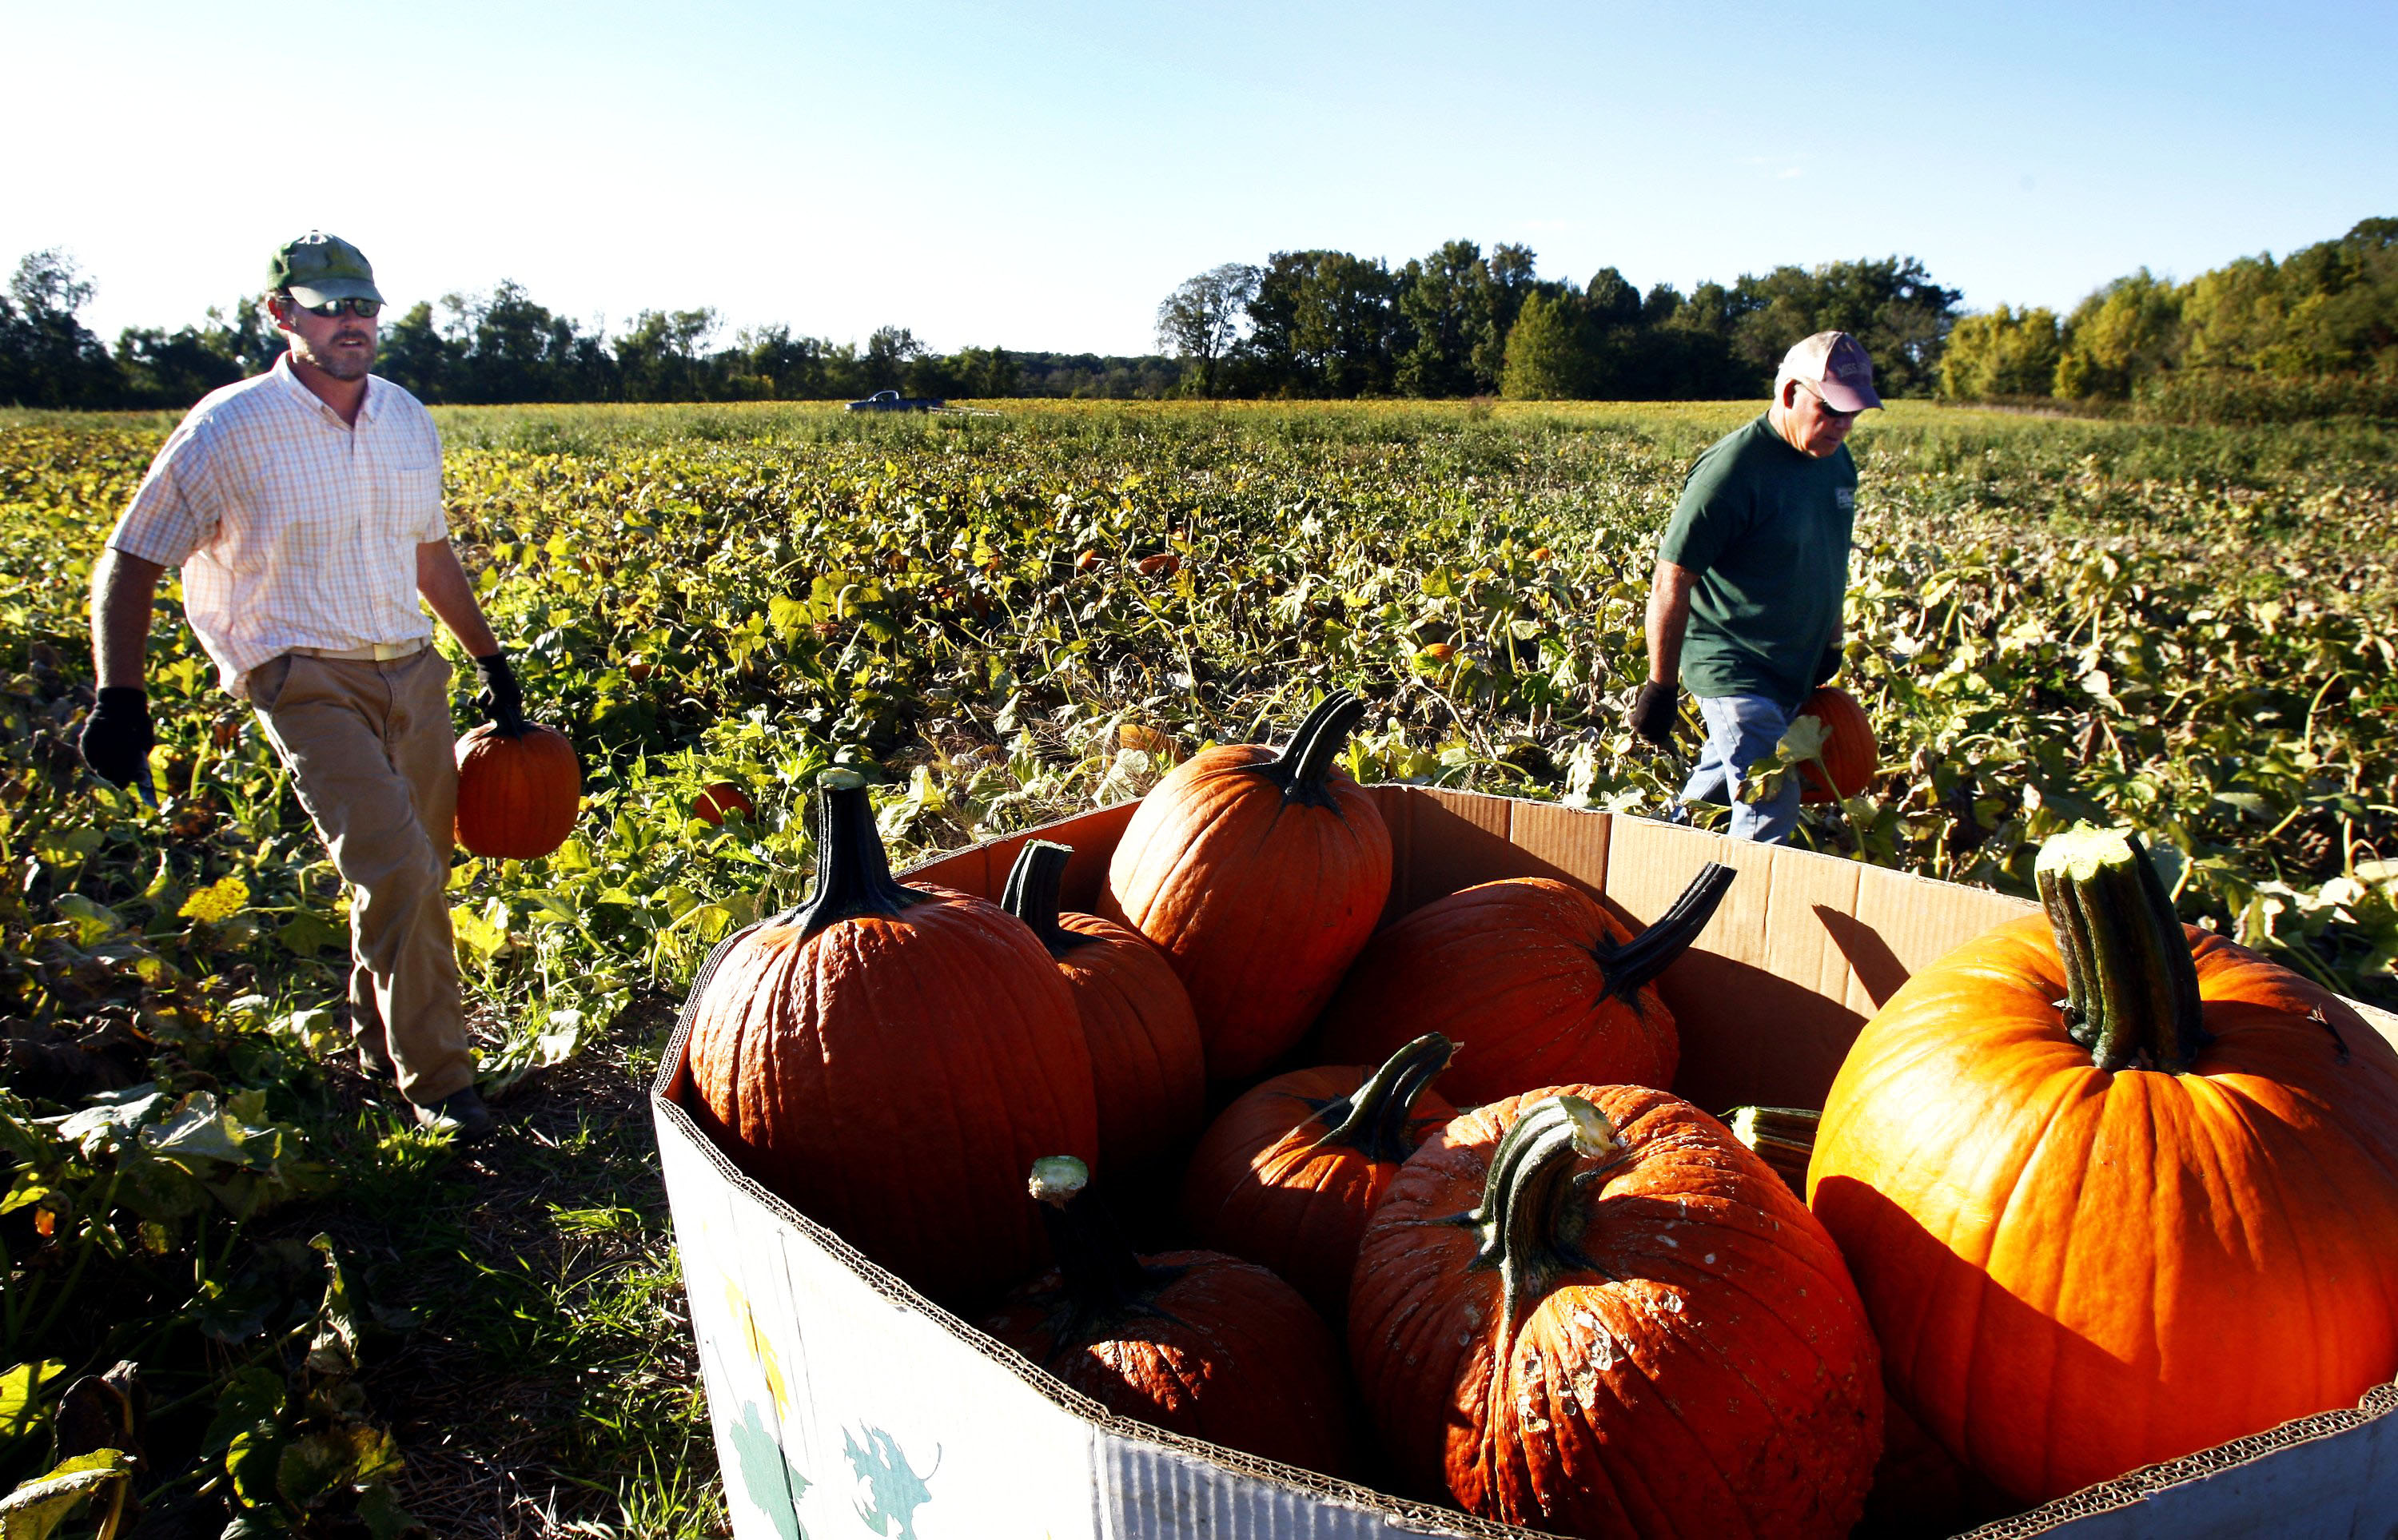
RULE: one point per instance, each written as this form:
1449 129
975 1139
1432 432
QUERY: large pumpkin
1287 1175
1534 979
891 1059
2160 1217
1591 1311
1194 1342
1146 1062
517 796
1260 875
1850 751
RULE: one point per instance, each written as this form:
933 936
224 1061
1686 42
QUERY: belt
373 652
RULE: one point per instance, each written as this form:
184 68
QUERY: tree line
504 347
1460 322
2312 335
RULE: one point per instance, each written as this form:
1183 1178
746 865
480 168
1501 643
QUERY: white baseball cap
1834 365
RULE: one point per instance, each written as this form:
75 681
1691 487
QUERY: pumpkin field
342 1324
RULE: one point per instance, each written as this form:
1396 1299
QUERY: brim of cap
1841 397
327 290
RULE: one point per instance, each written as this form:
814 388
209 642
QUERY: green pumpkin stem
1102 1274
1782 1137
1523 1226
1627 966
1304 767
852 874
1033 884
2131 986
1374 1118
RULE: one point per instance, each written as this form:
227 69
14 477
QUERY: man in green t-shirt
1751 576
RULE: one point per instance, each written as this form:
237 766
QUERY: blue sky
1040 175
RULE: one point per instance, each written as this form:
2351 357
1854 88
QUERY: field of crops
999 618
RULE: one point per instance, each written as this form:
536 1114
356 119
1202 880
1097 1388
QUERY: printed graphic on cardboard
767 1479
889 1491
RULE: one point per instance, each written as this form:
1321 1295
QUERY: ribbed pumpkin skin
1256 1189
1147 1064
893 1078
2076 1273
1258 901
1505 970
517 797
1851 752
1224 1351
1710 1375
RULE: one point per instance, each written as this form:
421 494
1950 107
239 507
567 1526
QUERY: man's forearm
123 588
443 584
1669 616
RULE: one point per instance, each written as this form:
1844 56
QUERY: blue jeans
1740 731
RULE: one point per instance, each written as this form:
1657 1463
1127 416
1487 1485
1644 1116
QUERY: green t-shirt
1766 528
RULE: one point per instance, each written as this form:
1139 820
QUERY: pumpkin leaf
20 1390
314 1467
37 1507
334 1347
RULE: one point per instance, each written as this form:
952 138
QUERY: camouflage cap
317 268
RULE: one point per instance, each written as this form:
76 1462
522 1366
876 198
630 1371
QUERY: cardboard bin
846 1404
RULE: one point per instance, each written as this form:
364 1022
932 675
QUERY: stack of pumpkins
1582 1305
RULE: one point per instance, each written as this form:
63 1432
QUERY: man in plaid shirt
303 507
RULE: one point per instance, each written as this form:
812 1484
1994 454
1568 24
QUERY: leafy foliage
2186 629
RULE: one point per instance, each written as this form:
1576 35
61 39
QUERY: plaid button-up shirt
293 528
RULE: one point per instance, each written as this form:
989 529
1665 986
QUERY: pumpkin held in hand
1260 875
517 797
1534 979
1850 750
1146 1062
2113 1188
1194 1342
1287 1175
889 1059
1591 1311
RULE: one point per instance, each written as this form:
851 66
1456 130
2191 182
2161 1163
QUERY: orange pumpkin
2115 1189
718 801
889 1059
517 797
1850 751
1260 875
1147 1066
1287 1175
1535 981
1590 1311
1195 1341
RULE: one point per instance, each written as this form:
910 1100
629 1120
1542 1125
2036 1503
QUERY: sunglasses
364 309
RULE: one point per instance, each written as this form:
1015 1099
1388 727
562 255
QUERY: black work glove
1653 715
500 700
117 736
1825 667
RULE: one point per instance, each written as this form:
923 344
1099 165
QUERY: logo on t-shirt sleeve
1846 496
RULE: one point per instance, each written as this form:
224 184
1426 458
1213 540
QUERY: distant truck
890 400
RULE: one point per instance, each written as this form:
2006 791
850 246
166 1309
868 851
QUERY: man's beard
341 363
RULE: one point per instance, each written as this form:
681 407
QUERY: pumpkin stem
1627 966
1524 1218
1032 893
853 873
1782 1137
1102 1274
1374 1118
2131 986
1305 762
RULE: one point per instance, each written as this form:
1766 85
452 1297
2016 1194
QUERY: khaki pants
369 746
